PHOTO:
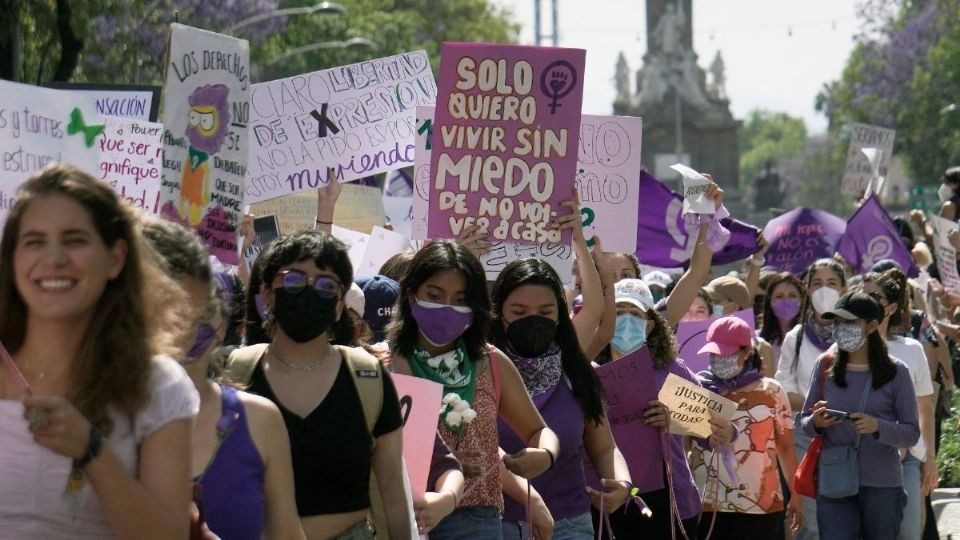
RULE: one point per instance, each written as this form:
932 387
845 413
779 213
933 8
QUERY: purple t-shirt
684 487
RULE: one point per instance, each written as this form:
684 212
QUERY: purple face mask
785 308
441 324
205 336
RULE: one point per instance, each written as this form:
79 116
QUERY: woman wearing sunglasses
306 372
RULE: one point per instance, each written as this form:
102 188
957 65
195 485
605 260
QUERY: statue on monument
718 81
669 30
621 79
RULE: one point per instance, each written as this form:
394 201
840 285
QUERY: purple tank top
563 486
232 493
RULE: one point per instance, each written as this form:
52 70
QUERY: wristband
318 221
94 445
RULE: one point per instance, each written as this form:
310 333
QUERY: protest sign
420 402
359 208
871 237
131 156
506 131
860 172
294 212
382 245
124 100
608 165
695 186
399 212
205 115
356 243
629 386
399 182
692 335
801 236
945 253
357 119
692 406
662 239
39 126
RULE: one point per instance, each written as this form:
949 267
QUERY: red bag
805 479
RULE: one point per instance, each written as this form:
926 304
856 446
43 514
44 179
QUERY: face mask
725 367
532 335
824 299
717 311
306 314
657 294
205 336
785 308
630 334
441 324
945 193
848 336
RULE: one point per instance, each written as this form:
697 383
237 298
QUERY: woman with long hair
863 399
532 325
781 313
95 438
439 332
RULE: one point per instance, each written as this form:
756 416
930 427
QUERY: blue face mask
630 334
717 311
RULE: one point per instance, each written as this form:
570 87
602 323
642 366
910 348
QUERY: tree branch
70 44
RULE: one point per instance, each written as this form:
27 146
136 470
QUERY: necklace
305 368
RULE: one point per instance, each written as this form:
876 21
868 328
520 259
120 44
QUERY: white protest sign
356 243
358 119
608 172
860 172
691 406
359 208
123 101
399 211
382 245
294 212
131 156
945 253
695 186
39 126
205 114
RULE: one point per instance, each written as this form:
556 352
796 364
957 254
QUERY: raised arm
608 320
586 321
327 201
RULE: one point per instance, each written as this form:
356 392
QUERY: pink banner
420 402
691 336
504 141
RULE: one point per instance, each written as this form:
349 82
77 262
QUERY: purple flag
800 237
662 240
871 237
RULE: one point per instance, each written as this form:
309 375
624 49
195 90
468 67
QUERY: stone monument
672 92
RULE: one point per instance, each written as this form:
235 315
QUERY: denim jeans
910 526
872 514
809 530
469 523
572 528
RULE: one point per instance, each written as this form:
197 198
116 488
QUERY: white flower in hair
453 419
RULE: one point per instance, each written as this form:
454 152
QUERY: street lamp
352 42
327 8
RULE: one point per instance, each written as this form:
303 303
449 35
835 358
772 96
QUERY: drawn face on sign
209 118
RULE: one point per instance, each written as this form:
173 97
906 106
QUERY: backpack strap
367 375
241 363
494 364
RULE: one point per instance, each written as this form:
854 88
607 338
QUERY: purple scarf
715 384
819 335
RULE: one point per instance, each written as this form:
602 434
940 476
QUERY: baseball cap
726 336
355 299
855 306
657 278
732 289
634 291
381 295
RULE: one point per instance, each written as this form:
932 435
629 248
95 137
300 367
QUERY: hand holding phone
839 415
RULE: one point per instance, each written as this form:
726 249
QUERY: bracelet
757 262
319 222
552 459
94 445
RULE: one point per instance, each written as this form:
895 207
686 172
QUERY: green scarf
454 370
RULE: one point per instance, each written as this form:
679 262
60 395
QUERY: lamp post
326 8
352 42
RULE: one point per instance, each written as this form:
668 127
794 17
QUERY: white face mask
824 299
945 193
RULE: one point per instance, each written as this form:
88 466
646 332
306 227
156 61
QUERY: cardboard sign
382 245
692 406
945 253
131 157
692 336
359 208
358 119
123 100
39 126
420 402
504 145
205 115
356 243
860 173
294 212
629 387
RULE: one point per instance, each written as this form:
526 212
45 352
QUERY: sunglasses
294 281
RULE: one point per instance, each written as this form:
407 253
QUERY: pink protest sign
504 141
420 402
629 387
691 336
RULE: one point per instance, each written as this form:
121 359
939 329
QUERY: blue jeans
572 528
910 526
809 530
469 523
872 514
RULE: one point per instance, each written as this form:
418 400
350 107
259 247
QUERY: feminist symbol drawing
558 80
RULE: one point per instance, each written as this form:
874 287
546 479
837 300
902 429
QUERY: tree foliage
768 137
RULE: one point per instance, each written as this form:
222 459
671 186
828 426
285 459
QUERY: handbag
805 478
840 465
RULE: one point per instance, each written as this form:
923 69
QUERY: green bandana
454 370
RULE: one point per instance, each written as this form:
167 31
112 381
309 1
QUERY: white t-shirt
797 380
910 352
32 504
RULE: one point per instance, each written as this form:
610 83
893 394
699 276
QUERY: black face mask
306 314
531 335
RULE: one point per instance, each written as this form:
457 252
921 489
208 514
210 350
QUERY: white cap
657 278
634 291
354 299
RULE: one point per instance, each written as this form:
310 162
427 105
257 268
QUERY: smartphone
839 415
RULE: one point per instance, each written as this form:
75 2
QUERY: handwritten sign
692 406
124 100
358 119
945 253
695 186
356 243
382 245
39 126
205 115
692 336
294 212
505 139
131 156
359 208
399 212
800 237
860 171
420 402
